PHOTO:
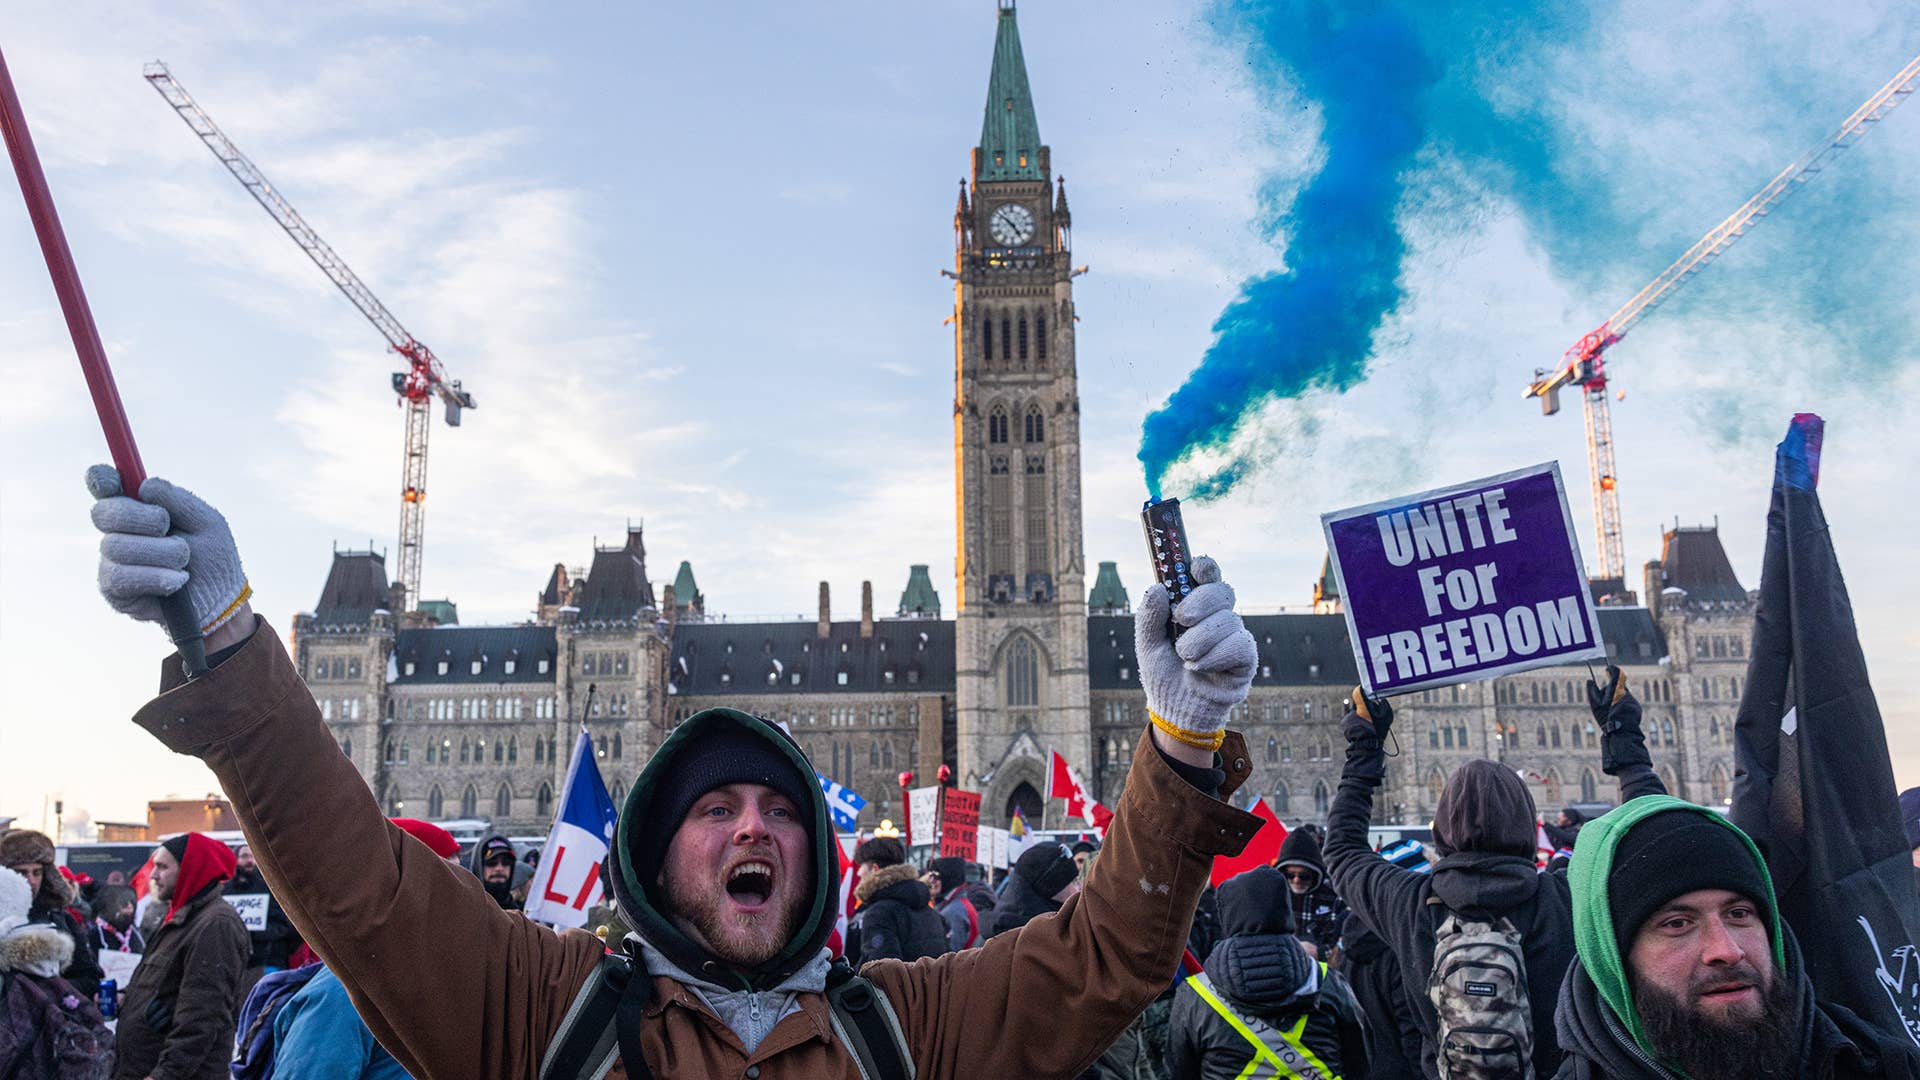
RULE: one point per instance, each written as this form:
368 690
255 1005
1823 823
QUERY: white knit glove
1193 683
165 540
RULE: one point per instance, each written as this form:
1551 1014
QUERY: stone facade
451 722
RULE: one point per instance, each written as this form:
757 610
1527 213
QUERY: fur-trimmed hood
871 885
36 950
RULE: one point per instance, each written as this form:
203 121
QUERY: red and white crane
424 379
1584 364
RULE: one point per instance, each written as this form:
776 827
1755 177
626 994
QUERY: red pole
182 625
66 283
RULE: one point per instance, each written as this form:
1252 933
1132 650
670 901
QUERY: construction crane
1584 365
417 387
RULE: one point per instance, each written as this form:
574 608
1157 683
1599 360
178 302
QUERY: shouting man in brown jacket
722 859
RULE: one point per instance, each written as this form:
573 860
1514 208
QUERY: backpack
253 1046
69 1039
1478 987
603 1025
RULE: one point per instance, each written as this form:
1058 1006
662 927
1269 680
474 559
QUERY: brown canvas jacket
189 978
455 987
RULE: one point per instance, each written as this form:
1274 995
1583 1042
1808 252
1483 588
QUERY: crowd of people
1645 943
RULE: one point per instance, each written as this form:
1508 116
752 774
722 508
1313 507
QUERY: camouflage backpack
1478 987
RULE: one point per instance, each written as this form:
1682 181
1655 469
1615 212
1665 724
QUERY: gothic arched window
1552 784
1040 336
1273 750
470 802
997 425
503 801
466 750
986 325
513 748
616 746
1436 783
1280 798
1587 790
436 805
543 801
1023 674
499 751
1023 337
1320 797
1006 338
1036 425
1666 733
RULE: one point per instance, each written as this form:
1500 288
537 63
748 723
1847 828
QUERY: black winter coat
1018 905
1201 1043
270 947
896 920
1835 1044
1374 975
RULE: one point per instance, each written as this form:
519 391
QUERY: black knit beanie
731 755
1670 854
1047 868
176 847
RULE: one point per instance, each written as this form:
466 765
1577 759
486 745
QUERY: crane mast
417 387
1584 364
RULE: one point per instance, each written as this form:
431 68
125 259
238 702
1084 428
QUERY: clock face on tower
1011 224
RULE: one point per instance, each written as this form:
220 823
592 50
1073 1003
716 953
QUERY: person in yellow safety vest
1263 1007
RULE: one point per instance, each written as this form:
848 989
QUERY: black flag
1813 783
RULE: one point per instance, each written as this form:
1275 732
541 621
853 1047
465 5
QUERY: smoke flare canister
1167 547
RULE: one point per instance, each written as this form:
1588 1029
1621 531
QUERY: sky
687 260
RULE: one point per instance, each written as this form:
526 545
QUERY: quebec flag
567 882
843 803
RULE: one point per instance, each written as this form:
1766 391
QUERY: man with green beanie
1685 968
722 859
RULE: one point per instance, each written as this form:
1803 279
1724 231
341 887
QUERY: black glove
1366 718
1617 712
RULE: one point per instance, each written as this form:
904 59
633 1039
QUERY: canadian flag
1066 784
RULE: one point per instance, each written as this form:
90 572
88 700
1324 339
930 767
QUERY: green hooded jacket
1593 930
639 898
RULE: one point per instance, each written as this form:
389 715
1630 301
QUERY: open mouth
750 884
1727 992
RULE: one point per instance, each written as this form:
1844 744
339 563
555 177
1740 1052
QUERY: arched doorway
1028 801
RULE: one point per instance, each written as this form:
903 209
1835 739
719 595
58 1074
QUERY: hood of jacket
901 882
1485 806
1593 930
502 892
1019 904
1267 973
204 864
36 950
1254 902
1485 881
640 899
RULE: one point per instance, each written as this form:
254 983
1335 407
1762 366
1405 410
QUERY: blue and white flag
843 803
568 880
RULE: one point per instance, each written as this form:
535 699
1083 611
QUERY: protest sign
996 856
960 825
252 908
923 816
1466 582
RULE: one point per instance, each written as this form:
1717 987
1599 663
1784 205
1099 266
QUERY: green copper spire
919 600
1109 597
1009 136
686 594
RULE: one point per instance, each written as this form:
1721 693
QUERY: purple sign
1466 582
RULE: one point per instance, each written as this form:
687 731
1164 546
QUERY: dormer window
544 662
409 669
476 667
796 678
507 666
442 666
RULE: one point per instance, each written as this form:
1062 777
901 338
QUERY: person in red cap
177 1012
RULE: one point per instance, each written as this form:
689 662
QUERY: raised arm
1623 747
1048 998
1374 889
375 903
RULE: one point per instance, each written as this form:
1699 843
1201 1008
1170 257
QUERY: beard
1715 1046
743 940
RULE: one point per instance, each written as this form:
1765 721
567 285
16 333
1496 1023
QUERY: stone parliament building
447 721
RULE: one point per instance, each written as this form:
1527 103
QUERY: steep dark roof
356 588
1693 559
1632 635
555 593
460 646
763 658
686 592
617 588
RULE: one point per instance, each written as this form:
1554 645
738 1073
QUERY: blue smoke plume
1487 88
1310 325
